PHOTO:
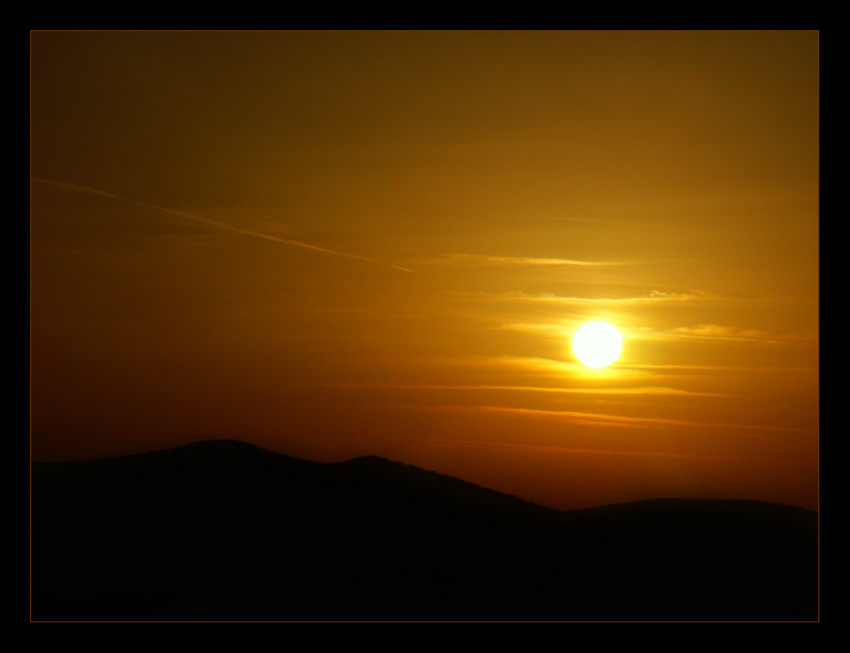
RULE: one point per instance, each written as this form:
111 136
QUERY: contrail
215 223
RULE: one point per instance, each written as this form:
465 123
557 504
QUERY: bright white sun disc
597 344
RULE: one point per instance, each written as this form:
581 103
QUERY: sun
597 344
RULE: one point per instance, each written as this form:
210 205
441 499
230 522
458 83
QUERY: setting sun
597 344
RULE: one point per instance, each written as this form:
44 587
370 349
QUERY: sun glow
597 344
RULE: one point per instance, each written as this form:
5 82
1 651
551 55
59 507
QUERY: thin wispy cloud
526 260
719 332
214 223
722 368
553 368
651 390
600 419
537 448
651 297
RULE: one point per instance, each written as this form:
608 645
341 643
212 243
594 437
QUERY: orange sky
343 243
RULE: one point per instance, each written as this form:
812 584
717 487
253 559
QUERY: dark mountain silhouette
223 530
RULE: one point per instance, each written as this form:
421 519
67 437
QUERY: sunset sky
333 244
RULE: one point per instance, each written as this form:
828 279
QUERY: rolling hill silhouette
223 530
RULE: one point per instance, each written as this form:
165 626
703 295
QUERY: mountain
223 530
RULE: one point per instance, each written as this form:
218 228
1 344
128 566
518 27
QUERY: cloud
214 223
722 368
550 367
651 297
718 332
656 390
523 260
535 448
620 372
599 419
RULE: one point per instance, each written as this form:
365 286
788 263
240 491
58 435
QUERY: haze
333 244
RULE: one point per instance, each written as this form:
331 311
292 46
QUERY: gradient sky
333 244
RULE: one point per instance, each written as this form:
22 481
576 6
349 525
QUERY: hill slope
226 531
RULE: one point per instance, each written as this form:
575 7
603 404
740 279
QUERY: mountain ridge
215 520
